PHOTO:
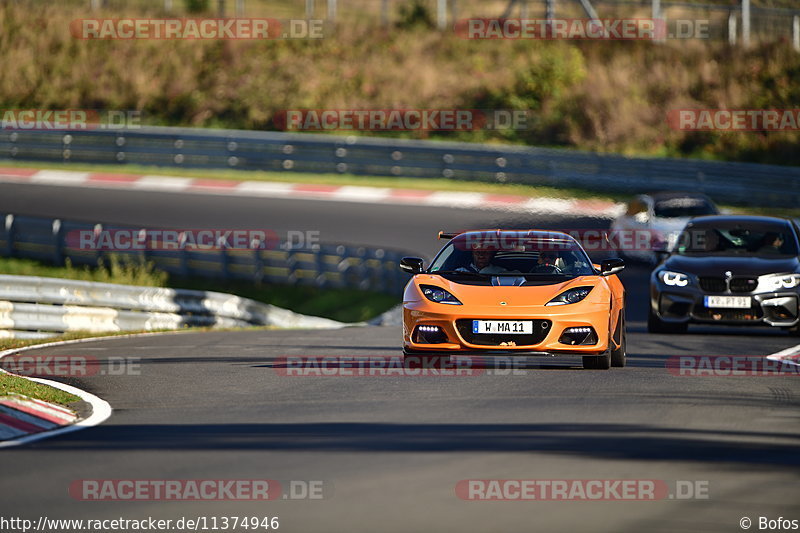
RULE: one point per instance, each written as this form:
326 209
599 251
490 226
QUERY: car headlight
570 296
675 279
438 295
776 282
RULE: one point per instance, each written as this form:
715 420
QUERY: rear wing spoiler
448 235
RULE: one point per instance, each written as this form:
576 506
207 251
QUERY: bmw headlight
570 296
438 295
777 282
674 279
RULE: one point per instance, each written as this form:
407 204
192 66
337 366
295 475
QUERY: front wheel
597 362
620 356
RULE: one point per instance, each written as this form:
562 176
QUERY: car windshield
761 240
683 208
512 253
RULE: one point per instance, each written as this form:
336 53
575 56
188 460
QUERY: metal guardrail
325 266
34 307
747 183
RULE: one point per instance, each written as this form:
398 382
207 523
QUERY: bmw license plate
728 302
502 326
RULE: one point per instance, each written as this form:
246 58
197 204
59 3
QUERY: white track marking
346 193
264 188
164 183
787 356
60 177
362 194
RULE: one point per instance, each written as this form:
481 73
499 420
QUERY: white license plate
502 326
728 302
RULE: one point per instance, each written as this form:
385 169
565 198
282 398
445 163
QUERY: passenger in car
482 263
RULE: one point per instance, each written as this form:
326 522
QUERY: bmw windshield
683 208
767 240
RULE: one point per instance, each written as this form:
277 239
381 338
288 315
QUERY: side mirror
611 266
412 265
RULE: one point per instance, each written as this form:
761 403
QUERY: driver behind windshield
482 263
547 262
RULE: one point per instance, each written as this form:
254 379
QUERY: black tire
656 325
619 356
597 362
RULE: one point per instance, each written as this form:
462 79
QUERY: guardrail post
657 15
291 266
58 237
441 14
98 256
10 230
796 33
732 28
143 251
363 272
224 259
332 11
746 23
383 274
384 12
258 262
319 264
183 254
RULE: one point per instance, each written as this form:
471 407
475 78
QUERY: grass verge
10 384
606 96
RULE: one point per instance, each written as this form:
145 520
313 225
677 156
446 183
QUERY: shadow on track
601 441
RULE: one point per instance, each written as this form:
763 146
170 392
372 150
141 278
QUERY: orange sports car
514 292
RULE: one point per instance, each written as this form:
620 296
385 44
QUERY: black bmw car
734 270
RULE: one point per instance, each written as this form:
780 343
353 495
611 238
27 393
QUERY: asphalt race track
395 226
390 450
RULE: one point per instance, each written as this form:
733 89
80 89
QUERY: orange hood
521 296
